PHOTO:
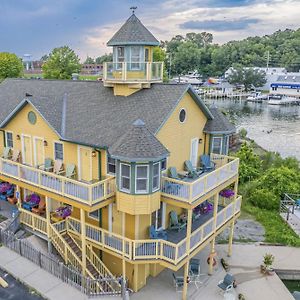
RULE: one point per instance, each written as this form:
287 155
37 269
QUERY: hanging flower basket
5 187
227 193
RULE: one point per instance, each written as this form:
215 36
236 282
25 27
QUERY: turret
132 67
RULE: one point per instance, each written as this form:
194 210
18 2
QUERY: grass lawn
277 230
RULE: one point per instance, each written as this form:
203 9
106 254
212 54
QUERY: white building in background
288 84
271 75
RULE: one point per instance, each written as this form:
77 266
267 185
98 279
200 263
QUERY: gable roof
133 32
138 144
87 113
219 124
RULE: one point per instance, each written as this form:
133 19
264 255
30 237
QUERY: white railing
226 168
34 221
79 191
136 72
155 249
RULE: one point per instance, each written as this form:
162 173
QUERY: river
275 128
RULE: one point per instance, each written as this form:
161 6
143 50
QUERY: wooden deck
293 219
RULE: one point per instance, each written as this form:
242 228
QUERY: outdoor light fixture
45 143
93 153
18 137
200 141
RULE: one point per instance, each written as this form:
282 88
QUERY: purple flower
227 193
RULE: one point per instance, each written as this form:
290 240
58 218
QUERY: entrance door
85 163
26 150
38 144
194 152
158 217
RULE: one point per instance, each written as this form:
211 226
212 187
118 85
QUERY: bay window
125 177
156 177
217 145
135 57
142 178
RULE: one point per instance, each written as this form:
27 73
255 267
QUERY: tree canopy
10 65
61 63
248 77
282 48
104 58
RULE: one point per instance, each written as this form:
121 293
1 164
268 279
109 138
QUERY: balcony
87 193
189 190
169 251
142 72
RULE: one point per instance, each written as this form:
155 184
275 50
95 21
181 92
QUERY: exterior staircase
70 248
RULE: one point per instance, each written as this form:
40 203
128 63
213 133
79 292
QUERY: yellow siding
177 136
138 204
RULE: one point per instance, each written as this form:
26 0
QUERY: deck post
211 256
18 193
83 241
185 280
230 239
47 200
189 230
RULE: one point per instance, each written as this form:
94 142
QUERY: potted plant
267 264
241 297
227 193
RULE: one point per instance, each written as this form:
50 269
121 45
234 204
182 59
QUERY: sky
38 26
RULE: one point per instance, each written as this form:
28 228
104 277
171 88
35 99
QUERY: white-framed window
156 177
217 144
141 179
9 139
135 57
120 57
226 143
125 171
111 165
95 214
58 151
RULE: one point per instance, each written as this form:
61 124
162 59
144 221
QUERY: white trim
163 217
35 138
23 149
196 140
185 115
137 227
147 180
221 145
63 149
120 179
110 216
8 131
159 171
164 209
79 161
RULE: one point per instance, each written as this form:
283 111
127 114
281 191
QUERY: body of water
275 128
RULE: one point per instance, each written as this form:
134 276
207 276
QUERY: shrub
243 133
264 198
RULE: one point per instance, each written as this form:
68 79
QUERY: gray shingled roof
138 144
93 115
219 124
133 32
288 78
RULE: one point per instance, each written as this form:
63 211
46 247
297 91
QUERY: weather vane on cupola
133 8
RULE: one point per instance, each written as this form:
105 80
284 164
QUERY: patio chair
174 222
206 163
193 172
47 166
58 167
70 170
157 234
15 155
6 152
178 282
41 208
172 173
194 271
227 283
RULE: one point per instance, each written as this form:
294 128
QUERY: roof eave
142 43
139 159
220 132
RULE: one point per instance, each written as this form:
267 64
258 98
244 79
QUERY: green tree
104 58
10 65
89 60
62 62
248 77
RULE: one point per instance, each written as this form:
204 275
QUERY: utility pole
268 59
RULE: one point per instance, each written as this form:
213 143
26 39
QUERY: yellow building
127 172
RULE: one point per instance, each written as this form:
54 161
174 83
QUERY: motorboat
284 100
257 97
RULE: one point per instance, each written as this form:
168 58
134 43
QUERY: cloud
219 25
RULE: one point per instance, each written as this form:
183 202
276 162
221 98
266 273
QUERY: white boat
284 100
257 97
